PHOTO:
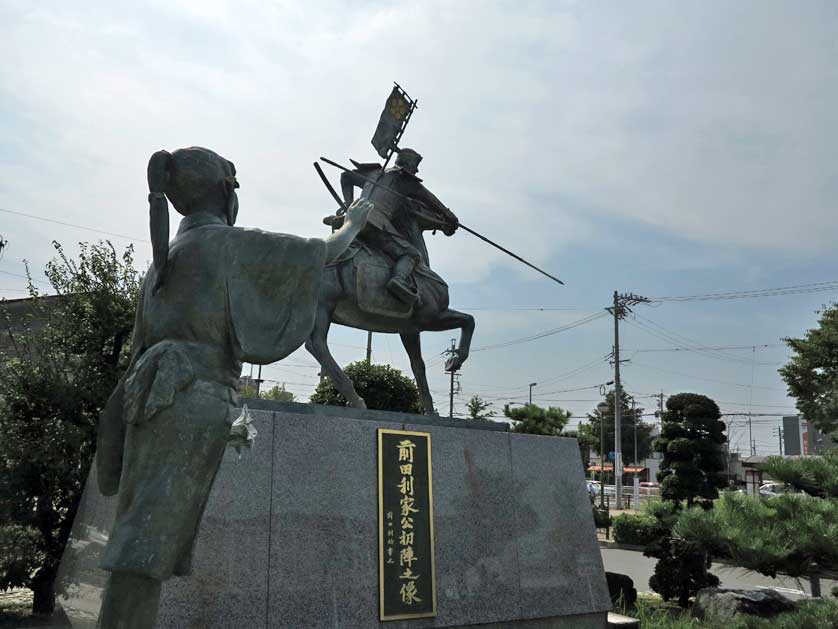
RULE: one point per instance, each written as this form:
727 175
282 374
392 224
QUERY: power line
65 224
541 396
681 341
688 349
544 334
757 293
527 309
686 375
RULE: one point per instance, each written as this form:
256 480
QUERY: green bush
382 387
635 529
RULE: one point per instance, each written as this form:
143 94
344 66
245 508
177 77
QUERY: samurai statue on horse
392 228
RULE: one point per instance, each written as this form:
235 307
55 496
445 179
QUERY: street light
532 384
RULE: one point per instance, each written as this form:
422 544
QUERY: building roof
610 468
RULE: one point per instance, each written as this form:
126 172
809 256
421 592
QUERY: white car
770 490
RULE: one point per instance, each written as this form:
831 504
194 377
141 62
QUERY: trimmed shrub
635 529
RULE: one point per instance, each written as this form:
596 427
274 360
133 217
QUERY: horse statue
354 293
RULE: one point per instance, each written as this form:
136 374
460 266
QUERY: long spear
459 224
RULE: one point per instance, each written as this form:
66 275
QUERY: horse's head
451 222
436 217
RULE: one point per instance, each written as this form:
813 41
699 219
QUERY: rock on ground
621 588
721 604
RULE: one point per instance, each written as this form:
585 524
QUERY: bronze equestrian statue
384 282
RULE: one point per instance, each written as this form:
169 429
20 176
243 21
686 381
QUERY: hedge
639 530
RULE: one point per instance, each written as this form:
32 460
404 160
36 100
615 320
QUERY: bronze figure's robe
230 295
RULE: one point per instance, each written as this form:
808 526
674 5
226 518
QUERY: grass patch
16 609
653 613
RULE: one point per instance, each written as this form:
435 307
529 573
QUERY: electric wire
65 224
757 293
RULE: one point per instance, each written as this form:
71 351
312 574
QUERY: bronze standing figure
216 296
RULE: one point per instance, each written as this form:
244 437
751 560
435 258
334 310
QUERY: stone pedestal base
290 534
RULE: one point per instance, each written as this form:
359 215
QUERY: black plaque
407 587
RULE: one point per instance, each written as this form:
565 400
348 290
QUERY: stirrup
400 289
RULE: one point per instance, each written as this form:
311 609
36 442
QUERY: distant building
18 314
800 437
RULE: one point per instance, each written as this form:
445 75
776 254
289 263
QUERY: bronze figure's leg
406 257
130 602
413 346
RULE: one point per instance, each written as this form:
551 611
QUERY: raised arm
356 218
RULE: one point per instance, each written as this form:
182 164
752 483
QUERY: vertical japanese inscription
405 520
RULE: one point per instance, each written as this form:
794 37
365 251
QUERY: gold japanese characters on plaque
407 587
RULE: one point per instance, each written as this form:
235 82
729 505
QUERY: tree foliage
535 420
815 475
277 393
629 419
382 387
67 360
792 534
587 442
478 408
691 440
683 565
812 372
683 568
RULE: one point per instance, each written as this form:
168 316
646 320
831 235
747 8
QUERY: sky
658 148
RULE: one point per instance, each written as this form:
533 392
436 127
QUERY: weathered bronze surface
216 296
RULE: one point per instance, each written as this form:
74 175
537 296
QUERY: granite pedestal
290 533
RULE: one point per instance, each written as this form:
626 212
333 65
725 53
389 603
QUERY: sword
404 196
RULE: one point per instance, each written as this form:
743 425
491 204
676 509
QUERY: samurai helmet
408 159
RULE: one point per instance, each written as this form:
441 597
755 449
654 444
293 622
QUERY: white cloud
542 125
704 121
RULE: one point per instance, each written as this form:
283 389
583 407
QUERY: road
640 568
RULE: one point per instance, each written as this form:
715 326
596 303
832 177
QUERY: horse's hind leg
319 348
412 345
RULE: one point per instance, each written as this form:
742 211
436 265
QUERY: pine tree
691 442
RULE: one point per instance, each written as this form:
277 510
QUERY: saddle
371 273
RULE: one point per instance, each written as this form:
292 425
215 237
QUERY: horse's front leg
452 320
413 346
319 348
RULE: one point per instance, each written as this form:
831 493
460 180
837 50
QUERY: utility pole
622 305
780 438
453 373
634 421
751 437
259 381
727 444
369 347
602 408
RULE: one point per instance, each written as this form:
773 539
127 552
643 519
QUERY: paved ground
640 568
